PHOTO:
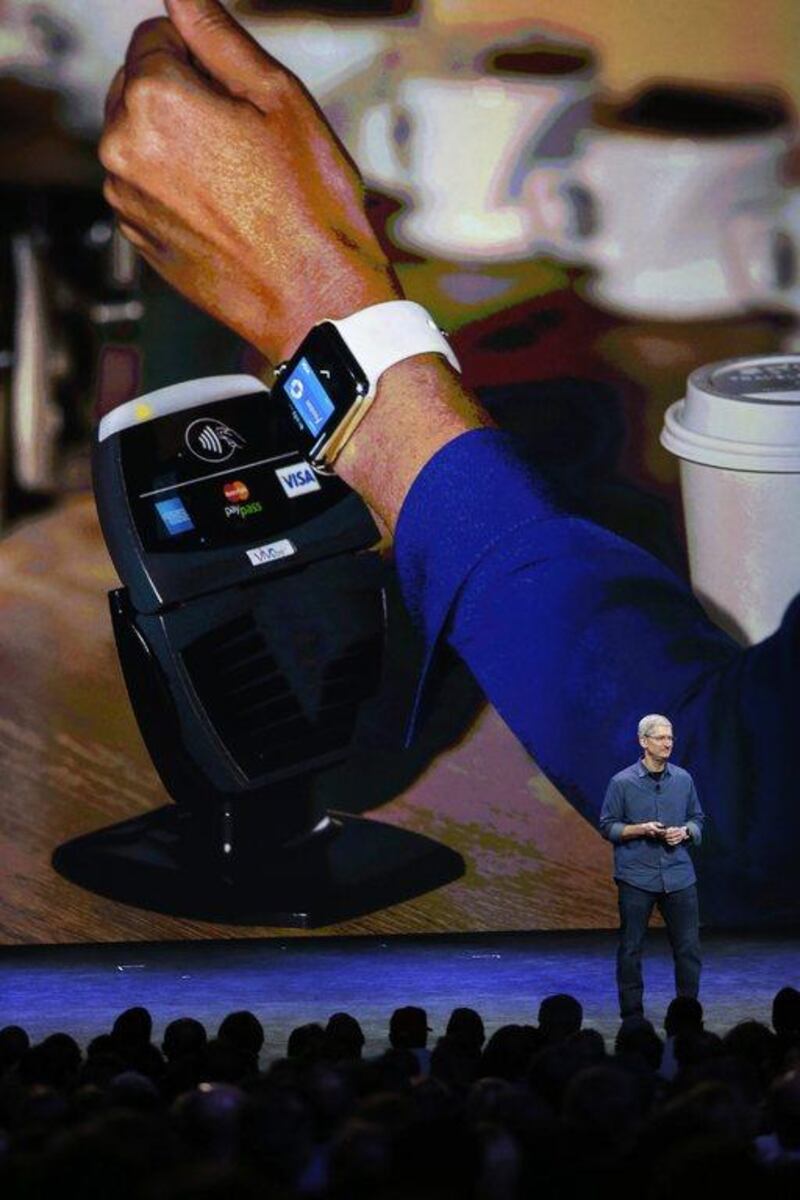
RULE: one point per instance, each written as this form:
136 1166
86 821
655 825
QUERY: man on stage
651 814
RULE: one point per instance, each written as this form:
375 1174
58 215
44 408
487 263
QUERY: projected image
234 705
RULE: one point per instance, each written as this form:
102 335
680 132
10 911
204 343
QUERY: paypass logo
297 479
236 492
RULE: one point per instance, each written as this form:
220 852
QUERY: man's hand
676 834
226 178
652 829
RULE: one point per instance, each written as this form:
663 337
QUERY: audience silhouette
545 1109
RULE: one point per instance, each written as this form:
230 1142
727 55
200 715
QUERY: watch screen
308 397
320 385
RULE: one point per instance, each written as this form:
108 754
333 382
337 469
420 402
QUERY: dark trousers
680 913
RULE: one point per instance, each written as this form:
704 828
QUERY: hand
652 829
226 178
676 834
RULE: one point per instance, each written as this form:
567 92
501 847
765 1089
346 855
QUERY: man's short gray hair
648 723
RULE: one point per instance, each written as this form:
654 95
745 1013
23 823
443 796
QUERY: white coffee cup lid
742 413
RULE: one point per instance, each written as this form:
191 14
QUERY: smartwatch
330 382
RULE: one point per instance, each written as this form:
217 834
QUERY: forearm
694 818
629 832
232 186
419 407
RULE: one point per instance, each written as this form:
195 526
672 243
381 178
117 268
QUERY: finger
113 193
114 94
155 37
133 213
226 50
138 237
157 51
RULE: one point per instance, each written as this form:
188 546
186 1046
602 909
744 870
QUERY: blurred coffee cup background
463 128
679 199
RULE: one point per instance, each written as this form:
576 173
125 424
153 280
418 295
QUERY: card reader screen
222 473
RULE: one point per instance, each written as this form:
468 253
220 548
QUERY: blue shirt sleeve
694 816
612 820
566 627
573 633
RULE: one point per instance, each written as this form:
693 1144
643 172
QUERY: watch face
319 386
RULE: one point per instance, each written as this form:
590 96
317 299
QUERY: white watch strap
385 334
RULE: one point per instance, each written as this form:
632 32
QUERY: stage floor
288 982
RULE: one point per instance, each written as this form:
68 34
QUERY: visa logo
297 479
271 552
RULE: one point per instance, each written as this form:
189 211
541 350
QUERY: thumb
224 48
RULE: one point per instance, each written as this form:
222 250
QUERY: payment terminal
251 626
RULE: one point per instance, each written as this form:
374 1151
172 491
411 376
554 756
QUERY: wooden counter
72 761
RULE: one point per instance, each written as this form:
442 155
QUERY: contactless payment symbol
212 441
236 491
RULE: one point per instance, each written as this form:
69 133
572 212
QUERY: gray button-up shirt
633 797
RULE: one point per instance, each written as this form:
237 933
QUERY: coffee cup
458 137
764 255
676 201
737 435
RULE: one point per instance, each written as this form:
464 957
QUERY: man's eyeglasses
662 737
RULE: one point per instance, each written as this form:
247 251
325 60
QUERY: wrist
328 293
373 394
420 406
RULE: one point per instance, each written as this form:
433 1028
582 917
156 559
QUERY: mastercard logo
236 491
